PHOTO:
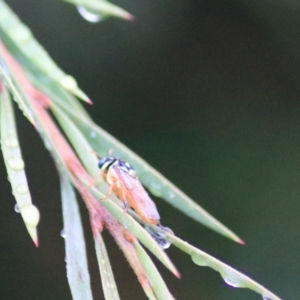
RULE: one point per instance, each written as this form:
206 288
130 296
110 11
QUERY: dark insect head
105 163
110 162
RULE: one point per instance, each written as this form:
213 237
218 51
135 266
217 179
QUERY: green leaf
102 142
15 166
107 277
83 149
102 7
22 38
9 81
76 257
231 276
134 227
157 283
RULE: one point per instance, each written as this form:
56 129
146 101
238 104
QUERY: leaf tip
131 18
36 242
89 101
34 236
241 242
177 274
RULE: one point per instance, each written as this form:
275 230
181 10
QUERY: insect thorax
107 163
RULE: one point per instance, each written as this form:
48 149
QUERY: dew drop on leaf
82 276
89 16
199 260
267 298
47 144
22 189
93 134
231 282
31 215
63 234
15 163
17 209
171 195
10 142
68 82
4 65
159 237
155 185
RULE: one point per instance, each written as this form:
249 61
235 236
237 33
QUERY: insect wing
140 200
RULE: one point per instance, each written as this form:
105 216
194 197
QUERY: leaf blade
157 283
230 275
107 277
83 149
102 142
15 166
76 257
23 39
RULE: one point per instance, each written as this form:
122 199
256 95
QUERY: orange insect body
123 182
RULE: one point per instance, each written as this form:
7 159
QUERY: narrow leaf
107 277
231 276
102 142
40 79
9 81
157 283
134 227
76 257
15 166
22 37
83 149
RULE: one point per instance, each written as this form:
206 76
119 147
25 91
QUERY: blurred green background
208 93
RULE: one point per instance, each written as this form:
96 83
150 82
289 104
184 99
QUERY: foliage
39 86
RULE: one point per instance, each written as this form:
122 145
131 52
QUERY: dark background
208 93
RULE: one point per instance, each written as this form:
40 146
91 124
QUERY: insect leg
94 182
123 198
108 194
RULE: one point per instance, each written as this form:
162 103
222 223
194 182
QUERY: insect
124 183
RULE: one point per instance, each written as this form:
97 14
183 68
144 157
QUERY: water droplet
159 236
17 209
15 163
93 134
4 65
22 33
31 215
156 185
63 234
89 16
47 144
22 189
231 282
10 142
82 276
171 195
68 82
199 260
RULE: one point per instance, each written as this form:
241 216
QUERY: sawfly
124 183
